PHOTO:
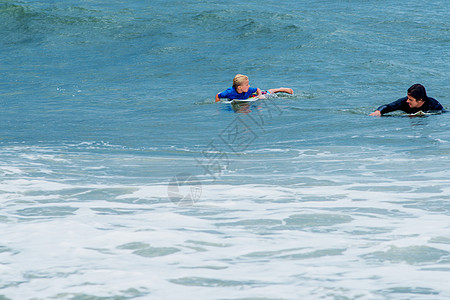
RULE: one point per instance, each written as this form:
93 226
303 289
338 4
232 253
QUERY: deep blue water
304 196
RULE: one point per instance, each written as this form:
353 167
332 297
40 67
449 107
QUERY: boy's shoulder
228 92
231 90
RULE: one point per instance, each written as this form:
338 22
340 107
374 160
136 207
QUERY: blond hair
239 79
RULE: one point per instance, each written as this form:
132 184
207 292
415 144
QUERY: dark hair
418 92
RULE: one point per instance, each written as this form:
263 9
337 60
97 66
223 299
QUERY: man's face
414 103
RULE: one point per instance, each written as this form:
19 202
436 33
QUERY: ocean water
121 178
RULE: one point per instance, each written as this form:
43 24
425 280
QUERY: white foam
331 233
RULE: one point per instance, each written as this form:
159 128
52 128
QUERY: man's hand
376 113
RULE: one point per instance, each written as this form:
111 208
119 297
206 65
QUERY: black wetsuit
430 104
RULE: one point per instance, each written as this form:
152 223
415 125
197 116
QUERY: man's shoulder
403 99
434 104
399 103
433 100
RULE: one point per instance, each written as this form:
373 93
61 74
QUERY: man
416 100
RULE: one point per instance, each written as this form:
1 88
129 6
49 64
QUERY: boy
241 90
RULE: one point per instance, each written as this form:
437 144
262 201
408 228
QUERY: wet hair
418 92
238 80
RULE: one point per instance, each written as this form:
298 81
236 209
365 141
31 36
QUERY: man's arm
386 108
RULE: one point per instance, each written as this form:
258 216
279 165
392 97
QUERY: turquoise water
120 178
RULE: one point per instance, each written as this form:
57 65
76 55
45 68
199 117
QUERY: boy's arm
258 92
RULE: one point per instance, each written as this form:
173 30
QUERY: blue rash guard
231 94
430 104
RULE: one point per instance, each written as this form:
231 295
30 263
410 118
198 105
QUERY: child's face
243 88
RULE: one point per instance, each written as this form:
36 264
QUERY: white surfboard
249 100
419 114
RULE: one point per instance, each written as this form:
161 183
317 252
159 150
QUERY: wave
27 23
